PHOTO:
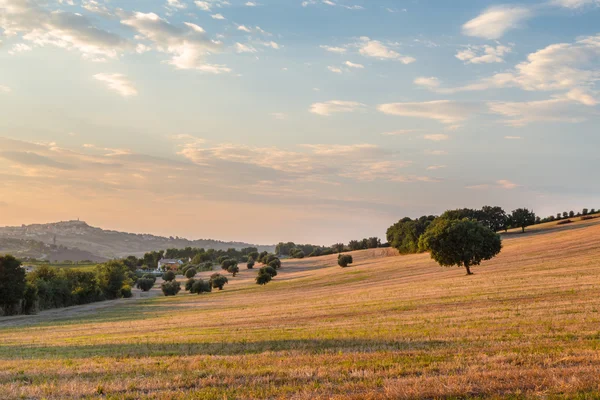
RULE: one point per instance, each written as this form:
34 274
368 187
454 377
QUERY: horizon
316 121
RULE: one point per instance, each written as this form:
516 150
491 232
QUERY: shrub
564 222
188 285
169 276
171 288
201 286
263 278
145 284
344 260
12 283
150 276
126 292
234 270
276 263
207 266
217 281
250 264
111 277
190 273
225 264
272 272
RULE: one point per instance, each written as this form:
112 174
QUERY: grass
80 266
388 327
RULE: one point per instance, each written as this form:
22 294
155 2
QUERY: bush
150 276
564 222
111 277
276 263
201 286
188 285
207 266
250 264
12 283
145 284
272 272
190 273
225 264
126 292
217 281
263 278
344 260
169 276
171 288
234 270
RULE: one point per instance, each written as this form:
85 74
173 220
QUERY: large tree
494 218
12 282
462 243
522 218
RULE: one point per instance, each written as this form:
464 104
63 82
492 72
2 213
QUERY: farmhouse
166 264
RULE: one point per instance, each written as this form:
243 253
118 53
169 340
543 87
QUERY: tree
344 260
251 263
200 286
263 279
523 218
404 235
169 276
233 270
584 211
494 218
373 243
462 243
269 271
558 215
188 285
571 214
145 284
111 278
218 281
171 288
190 273
338 247
565 214
12 283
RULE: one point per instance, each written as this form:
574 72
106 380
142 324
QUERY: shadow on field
313 346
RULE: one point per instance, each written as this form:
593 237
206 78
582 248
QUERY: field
527 324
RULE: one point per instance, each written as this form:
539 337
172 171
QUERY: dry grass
526 325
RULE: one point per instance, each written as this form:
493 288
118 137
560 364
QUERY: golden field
526 325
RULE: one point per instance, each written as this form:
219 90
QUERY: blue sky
313 121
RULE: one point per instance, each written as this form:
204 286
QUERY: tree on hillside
12 283
404 235
571 214
462 243
494 218
263 278
190 272
233 269
338 247
218 281
522 218
111 278
169 276
250 263
268 270
584 211
344 260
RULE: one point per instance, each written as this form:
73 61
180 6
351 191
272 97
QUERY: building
166 264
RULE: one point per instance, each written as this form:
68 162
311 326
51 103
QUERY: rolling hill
90 243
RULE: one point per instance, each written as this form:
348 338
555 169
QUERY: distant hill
86 242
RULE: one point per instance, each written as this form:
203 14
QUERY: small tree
169 276
201 286
263 278
462 243
584 211
12 283
272 272
275 263
218 281
344 260
251 263
171 288
190 273
233 270
188 285
523 218
145 284
571 214
126 292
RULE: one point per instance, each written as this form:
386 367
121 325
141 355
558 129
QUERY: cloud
353 65
244 29
208 5
34 159
243 48
335 106
334 69
435 167
176 4
445 111
573 4
438 137
505 184
338 50
250 4
400 132
187 45
70 31
512 137
428 82
4 89
483 54
523 113
376 49
496 21
217 16
119 83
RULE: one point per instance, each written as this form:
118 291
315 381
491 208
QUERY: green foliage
523 218
344 260
263 278
226 263
189 283
272 272
233 269
275 263
169 276
190 272
217 281
201 286
12 284
171 288
145 284
111 277
404 235
460 243
251 263
126 292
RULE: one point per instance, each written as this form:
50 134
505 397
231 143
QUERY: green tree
170 288
344 260
12 283
251 263
169 276
522 218
111 278
462 243
263 279
269 271
190 273
233 270
218 281
494 218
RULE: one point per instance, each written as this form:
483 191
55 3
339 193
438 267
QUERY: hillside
106 244
526 325
27 248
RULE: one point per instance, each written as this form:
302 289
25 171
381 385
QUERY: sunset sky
286 120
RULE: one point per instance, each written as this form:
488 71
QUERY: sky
313 121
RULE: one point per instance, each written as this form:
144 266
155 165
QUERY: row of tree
48 287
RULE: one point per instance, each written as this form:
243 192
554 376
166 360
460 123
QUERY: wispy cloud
118 83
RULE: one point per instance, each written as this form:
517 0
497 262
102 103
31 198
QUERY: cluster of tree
198 256
47 287
293 250
265 275
567 214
